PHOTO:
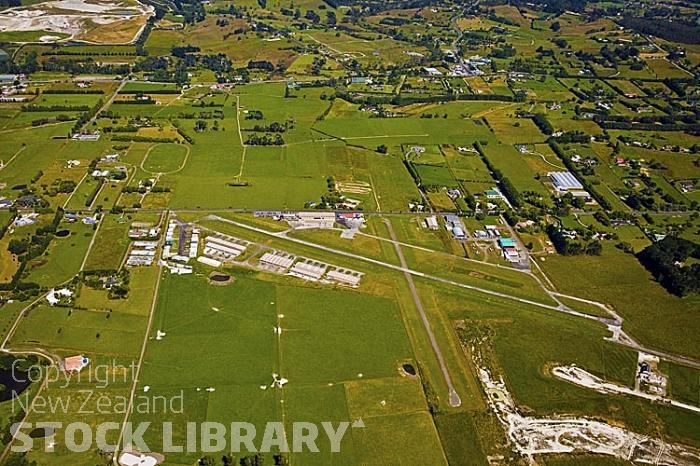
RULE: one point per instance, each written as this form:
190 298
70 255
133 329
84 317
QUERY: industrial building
454 225
278 262
308 270
432 223
314 220
565 181
510 250
344 277
223 248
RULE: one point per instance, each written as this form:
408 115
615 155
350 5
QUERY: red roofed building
75 363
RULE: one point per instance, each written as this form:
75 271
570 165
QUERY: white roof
279 261
223 242
328 216
219 249
564 180
133 459
209 261
348 278
305 270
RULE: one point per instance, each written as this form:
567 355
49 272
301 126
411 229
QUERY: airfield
278 246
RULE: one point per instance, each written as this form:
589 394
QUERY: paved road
454 398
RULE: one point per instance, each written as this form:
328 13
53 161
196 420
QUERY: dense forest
675 31
665 260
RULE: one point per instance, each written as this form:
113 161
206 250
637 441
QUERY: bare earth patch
95 21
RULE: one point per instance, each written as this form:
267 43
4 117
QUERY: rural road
144 344
106 104
454 398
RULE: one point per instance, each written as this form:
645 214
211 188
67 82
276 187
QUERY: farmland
353 215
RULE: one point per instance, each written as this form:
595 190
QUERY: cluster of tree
664 259
273 127
506 51
95 191
55 108
230 10
218 63
265 140
192 11
73 91
394 21
372 7
78 53
144 188
140 42
183 134
501 19
216 114
612 124
252 460
17 459
261 65
254 115
402 100
77 66
619 53
555 6
312 16
59 117
86 116
151 64
27 249
160 70
685 118
149 91
61 187
317 65
182 51
127 137
540 119
121 129
572 137
569 247
677 85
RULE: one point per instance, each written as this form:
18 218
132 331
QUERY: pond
219 277
12 382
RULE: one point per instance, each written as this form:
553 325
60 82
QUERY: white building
432 223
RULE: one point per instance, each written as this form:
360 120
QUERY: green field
165 158
229 118
334 375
